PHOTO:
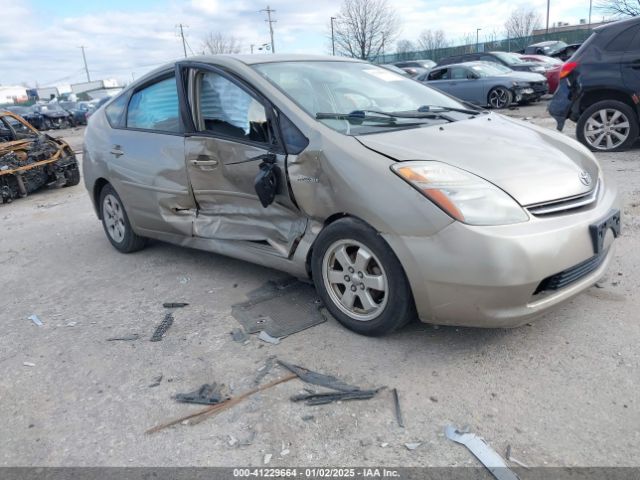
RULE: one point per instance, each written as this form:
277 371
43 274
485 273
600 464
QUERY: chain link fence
506 45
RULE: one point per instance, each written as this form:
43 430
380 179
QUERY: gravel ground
562 391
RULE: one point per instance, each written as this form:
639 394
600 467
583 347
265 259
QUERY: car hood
525 76
530 163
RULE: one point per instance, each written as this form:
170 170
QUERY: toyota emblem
585 178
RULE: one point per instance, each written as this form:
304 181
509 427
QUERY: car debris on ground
34 318
265 337
313 398
156 381
174 304
207 394
482 451
30 160
125 338
509 457
396 405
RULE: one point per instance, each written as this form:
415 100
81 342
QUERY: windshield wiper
357 116
438 109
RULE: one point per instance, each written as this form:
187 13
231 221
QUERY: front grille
573 274
565 204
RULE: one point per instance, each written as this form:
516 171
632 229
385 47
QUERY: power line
271 22
84 58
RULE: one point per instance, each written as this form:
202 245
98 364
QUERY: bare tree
405 46
625 8
364 27
432 40
468 41
522 22
220 43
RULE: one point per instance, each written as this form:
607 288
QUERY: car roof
542 44
619 25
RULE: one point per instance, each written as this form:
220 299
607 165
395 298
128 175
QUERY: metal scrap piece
319 379
396 403
329 397
483 452
207 394
162 328
174 304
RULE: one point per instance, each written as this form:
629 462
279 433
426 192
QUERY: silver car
487 83
395 199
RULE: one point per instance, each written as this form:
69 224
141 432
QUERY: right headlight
463 195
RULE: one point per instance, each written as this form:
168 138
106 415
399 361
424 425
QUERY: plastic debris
207 394
482 451
319 379
239 335
412 446
514 460
330 397
156 381
265 337
174 305
264 370
162 328
267 458
34 318
126 338
28 364
396 404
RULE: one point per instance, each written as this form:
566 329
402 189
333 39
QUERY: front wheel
116 222
360 280
608 126
500 97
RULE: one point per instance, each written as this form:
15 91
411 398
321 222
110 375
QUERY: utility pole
333 40
271 22
478 39
184 46
548 8
84 59
590 7
252 45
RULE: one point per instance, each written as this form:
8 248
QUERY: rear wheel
360 280
608 126
72 176
500 97
116 222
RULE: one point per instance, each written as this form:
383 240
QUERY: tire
613 115
372 311
72 176
116 222
499 98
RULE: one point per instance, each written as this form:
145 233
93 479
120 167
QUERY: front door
234 140
631 64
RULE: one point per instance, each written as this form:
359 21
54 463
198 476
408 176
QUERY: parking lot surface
562 391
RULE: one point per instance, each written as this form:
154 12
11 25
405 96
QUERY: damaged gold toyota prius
397 200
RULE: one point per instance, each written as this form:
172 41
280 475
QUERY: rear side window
155 107
623 41
115 111
442 74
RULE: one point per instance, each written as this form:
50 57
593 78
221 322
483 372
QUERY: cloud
124 41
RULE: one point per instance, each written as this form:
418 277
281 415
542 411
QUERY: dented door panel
149 175
222 175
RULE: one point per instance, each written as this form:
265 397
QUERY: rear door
463 86
235 139
631 63
440 79
145 157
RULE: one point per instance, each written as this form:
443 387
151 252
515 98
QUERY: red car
552 68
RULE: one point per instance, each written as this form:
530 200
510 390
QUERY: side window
458 73
227 109
155 107
442 74
115 111
488 58
622 42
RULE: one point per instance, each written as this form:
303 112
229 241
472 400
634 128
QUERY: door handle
204 161
116 151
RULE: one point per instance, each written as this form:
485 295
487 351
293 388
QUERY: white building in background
13 94
97 88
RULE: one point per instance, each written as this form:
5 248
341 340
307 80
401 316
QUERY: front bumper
488 276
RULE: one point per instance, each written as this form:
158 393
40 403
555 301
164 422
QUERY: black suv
600 88
511 60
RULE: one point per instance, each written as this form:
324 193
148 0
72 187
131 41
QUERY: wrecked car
54 116
30 160
395 199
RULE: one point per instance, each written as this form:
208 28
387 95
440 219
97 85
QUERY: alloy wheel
355 280
498 98
113 214
606 129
